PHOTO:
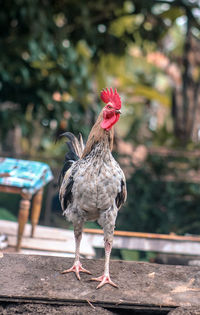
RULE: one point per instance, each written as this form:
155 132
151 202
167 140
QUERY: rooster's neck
98 135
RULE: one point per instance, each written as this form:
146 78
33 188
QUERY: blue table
26 178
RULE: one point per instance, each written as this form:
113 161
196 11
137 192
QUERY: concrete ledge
142 286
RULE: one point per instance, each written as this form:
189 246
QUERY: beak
118 111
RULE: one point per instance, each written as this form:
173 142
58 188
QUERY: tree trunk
186 99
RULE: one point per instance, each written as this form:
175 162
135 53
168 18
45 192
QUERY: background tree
55 54
164 34
47 53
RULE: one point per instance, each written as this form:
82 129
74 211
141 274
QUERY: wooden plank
162 243
46 239
62 234
53 245
145 244
142 286
60 240
148 235
161 246
45 253
41 232
11 189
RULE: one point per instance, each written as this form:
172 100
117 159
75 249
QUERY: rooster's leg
105 278
77 266
108 226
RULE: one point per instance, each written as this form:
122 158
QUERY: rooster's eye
109 107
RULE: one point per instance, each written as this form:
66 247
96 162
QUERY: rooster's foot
103 280
77 267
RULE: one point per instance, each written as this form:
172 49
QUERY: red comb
110 96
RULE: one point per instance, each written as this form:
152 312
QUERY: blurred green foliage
9 206
56 55
7 215
158 205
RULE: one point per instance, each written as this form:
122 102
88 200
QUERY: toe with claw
77 267
103 280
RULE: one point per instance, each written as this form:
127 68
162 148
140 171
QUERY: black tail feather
75 150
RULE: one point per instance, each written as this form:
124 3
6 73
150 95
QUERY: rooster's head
111 112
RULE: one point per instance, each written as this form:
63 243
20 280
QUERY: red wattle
108 123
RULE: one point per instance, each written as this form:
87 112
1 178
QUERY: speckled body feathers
93 185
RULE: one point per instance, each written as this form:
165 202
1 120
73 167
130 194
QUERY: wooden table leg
36 208
22 218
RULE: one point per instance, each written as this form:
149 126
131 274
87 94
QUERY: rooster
92 184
